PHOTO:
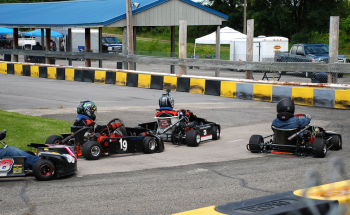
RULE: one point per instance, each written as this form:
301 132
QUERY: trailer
78 39
264 48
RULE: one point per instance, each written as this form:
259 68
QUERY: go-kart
178 129
310 140
53 163
122 140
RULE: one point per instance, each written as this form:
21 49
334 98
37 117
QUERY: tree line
298 20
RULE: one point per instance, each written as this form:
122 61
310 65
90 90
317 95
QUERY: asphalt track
179 179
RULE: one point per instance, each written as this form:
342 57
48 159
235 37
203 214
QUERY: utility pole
129 30
245 18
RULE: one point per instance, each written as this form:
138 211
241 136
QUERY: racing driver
11 151
166 105
285 116
86 116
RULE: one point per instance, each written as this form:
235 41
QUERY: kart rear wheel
254 140
215 133
149 145
320 147
44 170
92 150
336 142
54 139
29 152
193 138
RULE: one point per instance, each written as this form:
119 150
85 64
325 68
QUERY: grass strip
24 129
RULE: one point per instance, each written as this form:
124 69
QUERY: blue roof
37 33
76 13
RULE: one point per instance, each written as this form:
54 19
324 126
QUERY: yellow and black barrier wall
309 96
333 198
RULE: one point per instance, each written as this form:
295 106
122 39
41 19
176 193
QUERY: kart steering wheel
113 120
300 114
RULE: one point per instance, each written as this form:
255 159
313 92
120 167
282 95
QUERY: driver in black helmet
285 116
166 105
86 116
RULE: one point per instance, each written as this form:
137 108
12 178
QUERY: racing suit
289 121
11 151
166 112
83 120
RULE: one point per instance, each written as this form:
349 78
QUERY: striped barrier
331 198
234 88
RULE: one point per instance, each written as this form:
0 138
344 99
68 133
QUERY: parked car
315 53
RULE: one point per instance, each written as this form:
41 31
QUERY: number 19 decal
123 144
6 165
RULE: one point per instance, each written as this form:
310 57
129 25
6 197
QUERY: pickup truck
111 44
316 53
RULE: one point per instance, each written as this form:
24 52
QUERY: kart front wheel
193 138
44 170
253 143
92 150
54 139
215 133
149 145
320 147
336 142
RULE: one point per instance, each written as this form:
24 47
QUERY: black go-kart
53 163
92 145
310 140
178 130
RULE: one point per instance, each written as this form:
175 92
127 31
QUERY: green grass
158 44
24 129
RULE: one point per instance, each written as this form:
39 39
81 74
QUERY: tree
283 17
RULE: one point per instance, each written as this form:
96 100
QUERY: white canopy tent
226 35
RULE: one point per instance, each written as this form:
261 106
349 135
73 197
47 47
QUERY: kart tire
336 142
215 133
54 139
92 150
44 170
123 130
320 147
149 145
193 138
256 139
29 152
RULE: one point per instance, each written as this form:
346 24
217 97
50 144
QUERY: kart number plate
123 144
164 123
6 165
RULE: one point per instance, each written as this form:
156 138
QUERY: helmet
286 105
166 100
87 108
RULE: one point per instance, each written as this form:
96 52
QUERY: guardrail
215 63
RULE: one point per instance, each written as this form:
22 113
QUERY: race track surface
180 178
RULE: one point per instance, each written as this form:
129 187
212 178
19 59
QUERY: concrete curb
318 95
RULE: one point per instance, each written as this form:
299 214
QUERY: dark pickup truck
316 53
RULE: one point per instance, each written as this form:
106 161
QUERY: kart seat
79 137
281 136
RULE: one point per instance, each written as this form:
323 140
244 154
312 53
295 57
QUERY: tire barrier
225 87
331 198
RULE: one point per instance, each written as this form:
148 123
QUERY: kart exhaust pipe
296 134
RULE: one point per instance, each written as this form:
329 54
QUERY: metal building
107 13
